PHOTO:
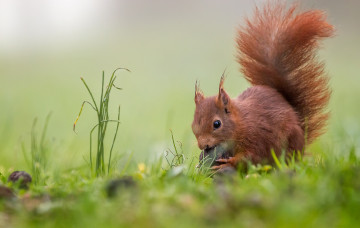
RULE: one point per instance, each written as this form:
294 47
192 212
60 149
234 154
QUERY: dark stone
114 186
6 193
22 176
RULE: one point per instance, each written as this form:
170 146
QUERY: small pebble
114 186
23 176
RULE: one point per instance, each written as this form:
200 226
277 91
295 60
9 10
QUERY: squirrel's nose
203 147
203 143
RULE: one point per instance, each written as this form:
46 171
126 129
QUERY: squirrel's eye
217 124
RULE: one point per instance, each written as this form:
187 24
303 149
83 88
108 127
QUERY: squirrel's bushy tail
278 48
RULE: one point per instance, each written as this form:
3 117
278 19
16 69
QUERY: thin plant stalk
113 142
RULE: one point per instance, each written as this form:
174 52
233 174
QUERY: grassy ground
166 57
319 191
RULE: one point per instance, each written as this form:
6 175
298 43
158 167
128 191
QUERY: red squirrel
285 109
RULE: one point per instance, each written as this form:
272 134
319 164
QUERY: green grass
310 193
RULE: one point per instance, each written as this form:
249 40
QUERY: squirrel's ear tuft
223 98
199 96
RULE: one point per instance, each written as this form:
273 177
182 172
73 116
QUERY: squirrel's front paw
226 162
219 167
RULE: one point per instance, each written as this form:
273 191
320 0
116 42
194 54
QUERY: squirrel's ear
199 96
223 98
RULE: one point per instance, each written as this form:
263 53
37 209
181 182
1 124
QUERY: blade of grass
92 97
276 160
91 132
45 129
113 142
127 164
77 118
100 146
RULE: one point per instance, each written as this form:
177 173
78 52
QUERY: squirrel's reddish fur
285 107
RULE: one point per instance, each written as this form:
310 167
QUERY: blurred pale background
46 46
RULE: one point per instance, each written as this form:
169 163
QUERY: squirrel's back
278 48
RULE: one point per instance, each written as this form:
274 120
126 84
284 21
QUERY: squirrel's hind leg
296 140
